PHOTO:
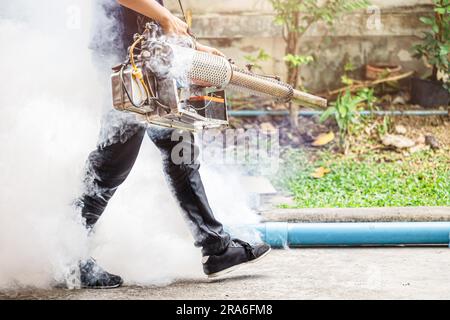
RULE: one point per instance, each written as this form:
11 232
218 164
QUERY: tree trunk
292 48
438 37
293 71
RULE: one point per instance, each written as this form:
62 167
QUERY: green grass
422 179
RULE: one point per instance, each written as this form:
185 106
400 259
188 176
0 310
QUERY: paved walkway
320 273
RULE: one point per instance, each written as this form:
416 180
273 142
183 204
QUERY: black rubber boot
237 254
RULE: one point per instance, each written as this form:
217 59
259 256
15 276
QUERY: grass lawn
369 180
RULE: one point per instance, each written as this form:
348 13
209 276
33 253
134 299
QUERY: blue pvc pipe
281 234
310 113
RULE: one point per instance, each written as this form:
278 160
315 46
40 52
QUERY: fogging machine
166 82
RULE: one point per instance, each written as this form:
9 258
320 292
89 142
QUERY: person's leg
220 253
185 181
107 168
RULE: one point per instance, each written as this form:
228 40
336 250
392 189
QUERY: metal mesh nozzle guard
210 70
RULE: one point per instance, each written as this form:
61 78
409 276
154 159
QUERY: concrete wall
384 33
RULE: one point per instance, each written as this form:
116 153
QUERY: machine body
168 83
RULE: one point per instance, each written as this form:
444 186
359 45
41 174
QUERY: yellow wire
133 46
136 70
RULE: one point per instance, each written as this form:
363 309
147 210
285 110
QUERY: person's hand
174 26
210 50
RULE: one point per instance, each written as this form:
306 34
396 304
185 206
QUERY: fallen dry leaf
320 172
400 129
323 139
397 141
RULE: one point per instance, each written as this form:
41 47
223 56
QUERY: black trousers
109 165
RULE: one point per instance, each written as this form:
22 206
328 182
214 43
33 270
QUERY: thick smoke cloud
53 94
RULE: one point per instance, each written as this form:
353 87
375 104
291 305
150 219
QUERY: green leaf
435 28
426 20
349 66
327 114
342 110
298 60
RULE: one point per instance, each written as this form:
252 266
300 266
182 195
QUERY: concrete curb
385 214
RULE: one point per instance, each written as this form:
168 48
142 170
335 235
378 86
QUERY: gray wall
384 33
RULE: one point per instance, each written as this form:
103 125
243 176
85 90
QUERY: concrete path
320 273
